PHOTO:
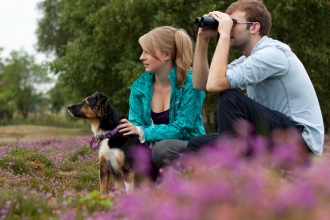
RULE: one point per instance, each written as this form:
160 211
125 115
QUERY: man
279 91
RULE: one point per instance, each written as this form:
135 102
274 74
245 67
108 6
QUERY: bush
16 165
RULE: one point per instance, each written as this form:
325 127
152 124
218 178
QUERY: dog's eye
84 104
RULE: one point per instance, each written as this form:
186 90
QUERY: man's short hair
256 11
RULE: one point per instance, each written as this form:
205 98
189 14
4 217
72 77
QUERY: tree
53 35
20 78
104 56
104 53
57 98
6 109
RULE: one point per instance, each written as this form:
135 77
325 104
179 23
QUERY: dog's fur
114 152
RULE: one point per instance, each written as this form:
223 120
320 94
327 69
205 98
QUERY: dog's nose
69 107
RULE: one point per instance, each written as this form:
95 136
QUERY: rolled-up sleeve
262 64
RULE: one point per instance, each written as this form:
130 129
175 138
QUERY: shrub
17 165
80 153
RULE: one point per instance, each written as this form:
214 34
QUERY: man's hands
225 25
225 22
127 128
207 33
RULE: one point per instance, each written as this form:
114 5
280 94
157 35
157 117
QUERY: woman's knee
158 151
166 150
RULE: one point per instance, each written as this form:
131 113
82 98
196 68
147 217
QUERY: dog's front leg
104 175
129 181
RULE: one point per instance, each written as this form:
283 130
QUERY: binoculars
206 21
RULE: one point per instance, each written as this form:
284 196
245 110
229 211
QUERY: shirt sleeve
264 63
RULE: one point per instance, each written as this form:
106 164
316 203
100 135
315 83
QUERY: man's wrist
203 38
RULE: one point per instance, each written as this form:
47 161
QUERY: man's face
240 35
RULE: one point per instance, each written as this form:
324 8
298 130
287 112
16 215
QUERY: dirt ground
15 133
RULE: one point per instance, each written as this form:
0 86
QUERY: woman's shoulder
143 80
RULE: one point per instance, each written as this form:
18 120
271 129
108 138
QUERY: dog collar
95 144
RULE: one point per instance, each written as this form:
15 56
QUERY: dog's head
97 110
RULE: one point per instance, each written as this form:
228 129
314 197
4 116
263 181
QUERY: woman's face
153 64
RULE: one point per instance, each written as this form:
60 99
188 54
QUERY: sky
18 23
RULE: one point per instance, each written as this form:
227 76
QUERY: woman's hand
127 128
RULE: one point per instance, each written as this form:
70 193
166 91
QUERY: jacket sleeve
187 112
138 108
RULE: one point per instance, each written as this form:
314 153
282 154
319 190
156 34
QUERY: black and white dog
114 148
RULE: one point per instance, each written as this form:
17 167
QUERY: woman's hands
127 128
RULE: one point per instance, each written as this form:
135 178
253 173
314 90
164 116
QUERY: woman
165 109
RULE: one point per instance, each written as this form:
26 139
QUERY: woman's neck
161 77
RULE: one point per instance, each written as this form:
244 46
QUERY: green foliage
19 79
52 34
23 157
18 152
17 165
57 98
49 172
41 158
103 53
94 201
67 166
87 177
24 204
80 153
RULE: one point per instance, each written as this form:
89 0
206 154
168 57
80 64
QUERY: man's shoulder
269 45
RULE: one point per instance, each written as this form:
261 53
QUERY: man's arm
217 80
200 63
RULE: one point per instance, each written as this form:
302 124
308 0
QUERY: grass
51 173
47 177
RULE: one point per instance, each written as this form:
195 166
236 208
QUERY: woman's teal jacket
185 113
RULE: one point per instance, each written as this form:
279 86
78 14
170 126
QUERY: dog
114 148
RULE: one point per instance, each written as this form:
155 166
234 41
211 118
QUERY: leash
95 145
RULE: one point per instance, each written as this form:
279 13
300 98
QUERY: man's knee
193 144
196 143
227 96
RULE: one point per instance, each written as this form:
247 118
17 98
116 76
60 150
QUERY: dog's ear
100 105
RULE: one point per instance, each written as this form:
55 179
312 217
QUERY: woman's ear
167 56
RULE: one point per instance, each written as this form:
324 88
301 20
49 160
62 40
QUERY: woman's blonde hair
173 41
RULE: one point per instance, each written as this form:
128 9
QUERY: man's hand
225 22
207 33
127 128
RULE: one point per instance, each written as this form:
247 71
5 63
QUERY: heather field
58 179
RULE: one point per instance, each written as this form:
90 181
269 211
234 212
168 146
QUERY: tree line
95 42
20 77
